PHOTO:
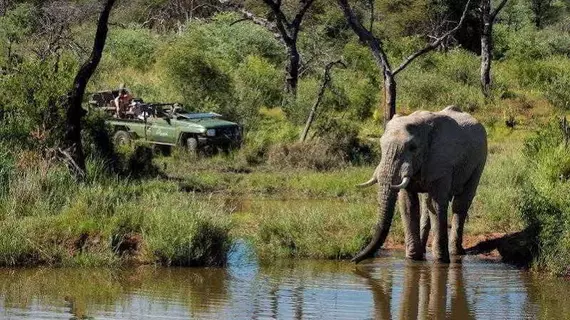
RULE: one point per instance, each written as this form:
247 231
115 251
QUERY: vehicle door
161 130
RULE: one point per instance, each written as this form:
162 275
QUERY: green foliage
105 221
200 81
544 204
18 23
258 141
257 86
330 232
31 101
557 92
134 48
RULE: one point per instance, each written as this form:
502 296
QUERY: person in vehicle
122 102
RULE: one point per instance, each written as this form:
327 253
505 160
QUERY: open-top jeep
168 124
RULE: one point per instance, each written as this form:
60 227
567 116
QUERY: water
389 287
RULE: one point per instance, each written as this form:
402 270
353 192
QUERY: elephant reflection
424 292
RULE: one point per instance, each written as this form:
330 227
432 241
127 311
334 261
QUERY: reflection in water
424 291
386 288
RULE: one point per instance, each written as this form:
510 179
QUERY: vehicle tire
122 138
192 146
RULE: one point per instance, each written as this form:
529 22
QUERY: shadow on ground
517 248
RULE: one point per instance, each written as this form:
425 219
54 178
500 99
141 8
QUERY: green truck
168 124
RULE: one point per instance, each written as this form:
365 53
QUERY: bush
557 92
315 155
335 145
106 222
203 85
544 203
131 48
258 84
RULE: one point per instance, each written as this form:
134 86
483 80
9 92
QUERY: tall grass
544 205
47 218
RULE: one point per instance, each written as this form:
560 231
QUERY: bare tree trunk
488 17
324 85
486 47
73 149
389 97
293 69
4 7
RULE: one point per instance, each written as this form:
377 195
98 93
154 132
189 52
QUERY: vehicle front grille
229 132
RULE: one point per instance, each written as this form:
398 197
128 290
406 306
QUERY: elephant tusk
402 185
368 183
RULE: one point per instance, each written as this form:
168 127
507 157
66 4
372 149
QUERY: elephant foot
415 257
442 259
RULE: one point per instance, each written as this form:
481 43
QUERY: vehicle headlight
211 132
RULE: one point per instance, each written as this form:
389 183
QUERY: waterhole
385 288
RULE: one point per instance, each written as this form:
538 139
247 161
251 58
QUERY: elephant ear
444 150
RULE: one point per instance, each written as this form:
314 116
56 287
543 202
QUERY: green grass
192 217
48 219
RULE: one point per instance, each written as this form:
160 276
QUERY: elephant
440 155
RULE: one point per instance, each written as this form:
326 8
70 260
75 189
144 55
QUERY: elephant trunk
387 196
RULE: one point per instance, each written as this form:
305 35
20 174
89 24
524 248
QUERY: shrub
258 84
106 222
315 154
557 91
544 203
198 78
132 48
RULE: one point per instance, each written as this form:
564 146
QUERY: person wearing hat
122 101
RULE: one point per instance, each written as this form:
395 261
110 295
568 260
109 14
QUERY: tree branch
434 44
498 9
299 16
271 27
282 22
366 36
320 95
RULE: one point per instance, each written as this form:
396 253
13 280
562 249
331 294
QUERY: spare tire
122 138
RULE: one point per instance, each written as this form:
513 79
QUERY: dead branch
320 95
433 45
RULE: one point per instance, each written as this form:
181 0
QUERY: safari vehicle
168 124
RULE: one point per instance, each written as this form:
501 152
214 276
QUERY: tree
287 31
488 17
377 47
325 83
541 10
73 149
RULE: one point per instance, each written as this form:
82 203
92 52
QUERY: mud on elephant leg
410 211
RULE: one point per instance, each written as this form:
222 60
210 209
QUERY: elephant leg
424 221
457 223
460 206
437 206
410 211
